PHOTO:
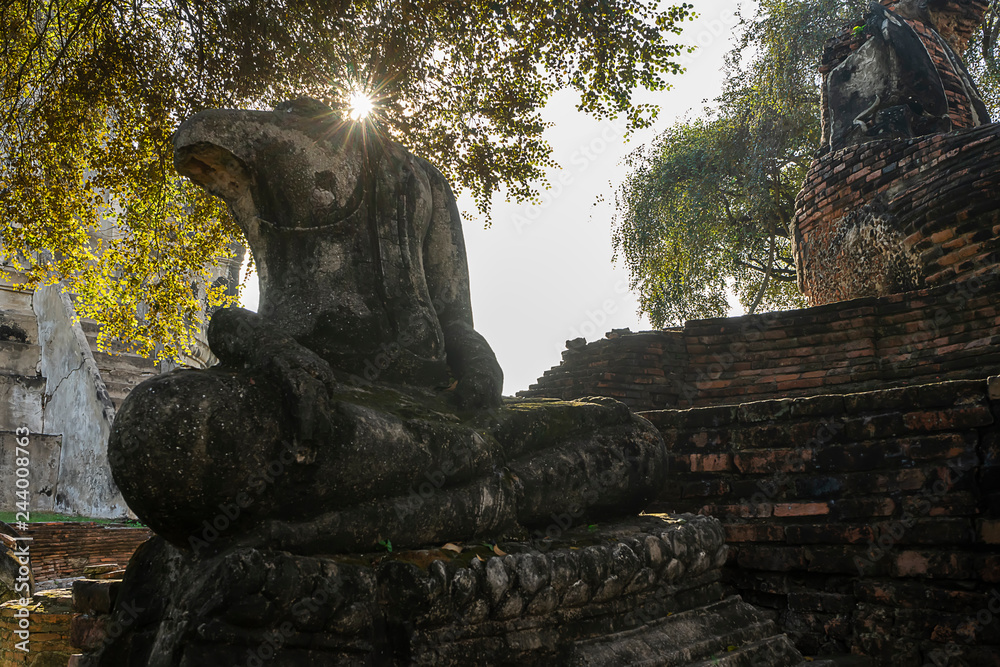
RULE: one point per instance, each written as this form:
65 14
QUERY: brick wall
948 332
869 521
49 616
956 20
937 193
640 369
64 550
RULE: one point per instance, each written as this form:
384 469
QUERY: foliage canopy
91 90
982 59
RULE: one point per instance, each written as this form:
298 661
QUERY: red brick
829 533
934 564
771 461
800 509
754 532
770 558
710 462
988 531
988 568
953 418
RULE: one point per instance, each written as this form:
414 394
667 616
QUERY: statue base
641 591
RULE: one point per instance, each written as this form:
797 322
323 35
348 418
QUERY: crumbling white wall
78 407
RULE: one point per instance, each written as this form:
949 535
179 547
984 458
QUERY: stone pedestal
644 591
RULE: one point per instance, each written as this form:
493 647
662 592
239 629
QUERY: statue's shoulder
402 156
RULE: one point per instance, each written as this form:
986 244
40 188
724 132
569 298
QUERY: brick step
769 651
698 636
19 358
116 349
840 661
91 329
120 369
122 365
9 271
11 275
124 375
4 434
117 391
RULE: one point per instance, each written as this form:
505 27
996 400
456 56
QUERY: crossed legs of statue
215 457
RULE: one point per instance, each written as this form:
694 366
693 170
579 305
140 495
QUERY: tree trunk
767 277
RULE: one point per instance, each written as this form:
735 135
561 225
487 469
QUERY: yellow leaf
498 551
451 546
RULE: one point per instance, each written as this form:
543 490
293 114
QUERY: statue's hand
297 365
479 389
306 380
480 378
242 340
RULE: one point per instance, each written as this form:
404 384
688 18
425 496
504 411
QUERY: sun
360 105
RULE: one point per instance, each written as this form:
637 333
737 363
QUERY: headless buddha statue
358 405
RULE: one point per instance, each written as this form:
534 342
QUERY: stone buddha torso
347 235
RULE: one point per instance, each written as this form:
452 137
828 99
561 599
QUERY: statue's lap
198 452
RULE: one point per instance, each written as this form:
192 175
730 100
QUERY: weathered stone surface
889 87
359 405
43 453
461 608
15 329
78 407
730 627
401 471
94 596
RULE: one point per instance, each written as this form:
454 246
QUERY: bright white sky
543 274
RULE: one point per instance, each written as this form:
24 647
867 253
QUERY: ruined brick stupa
905 193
